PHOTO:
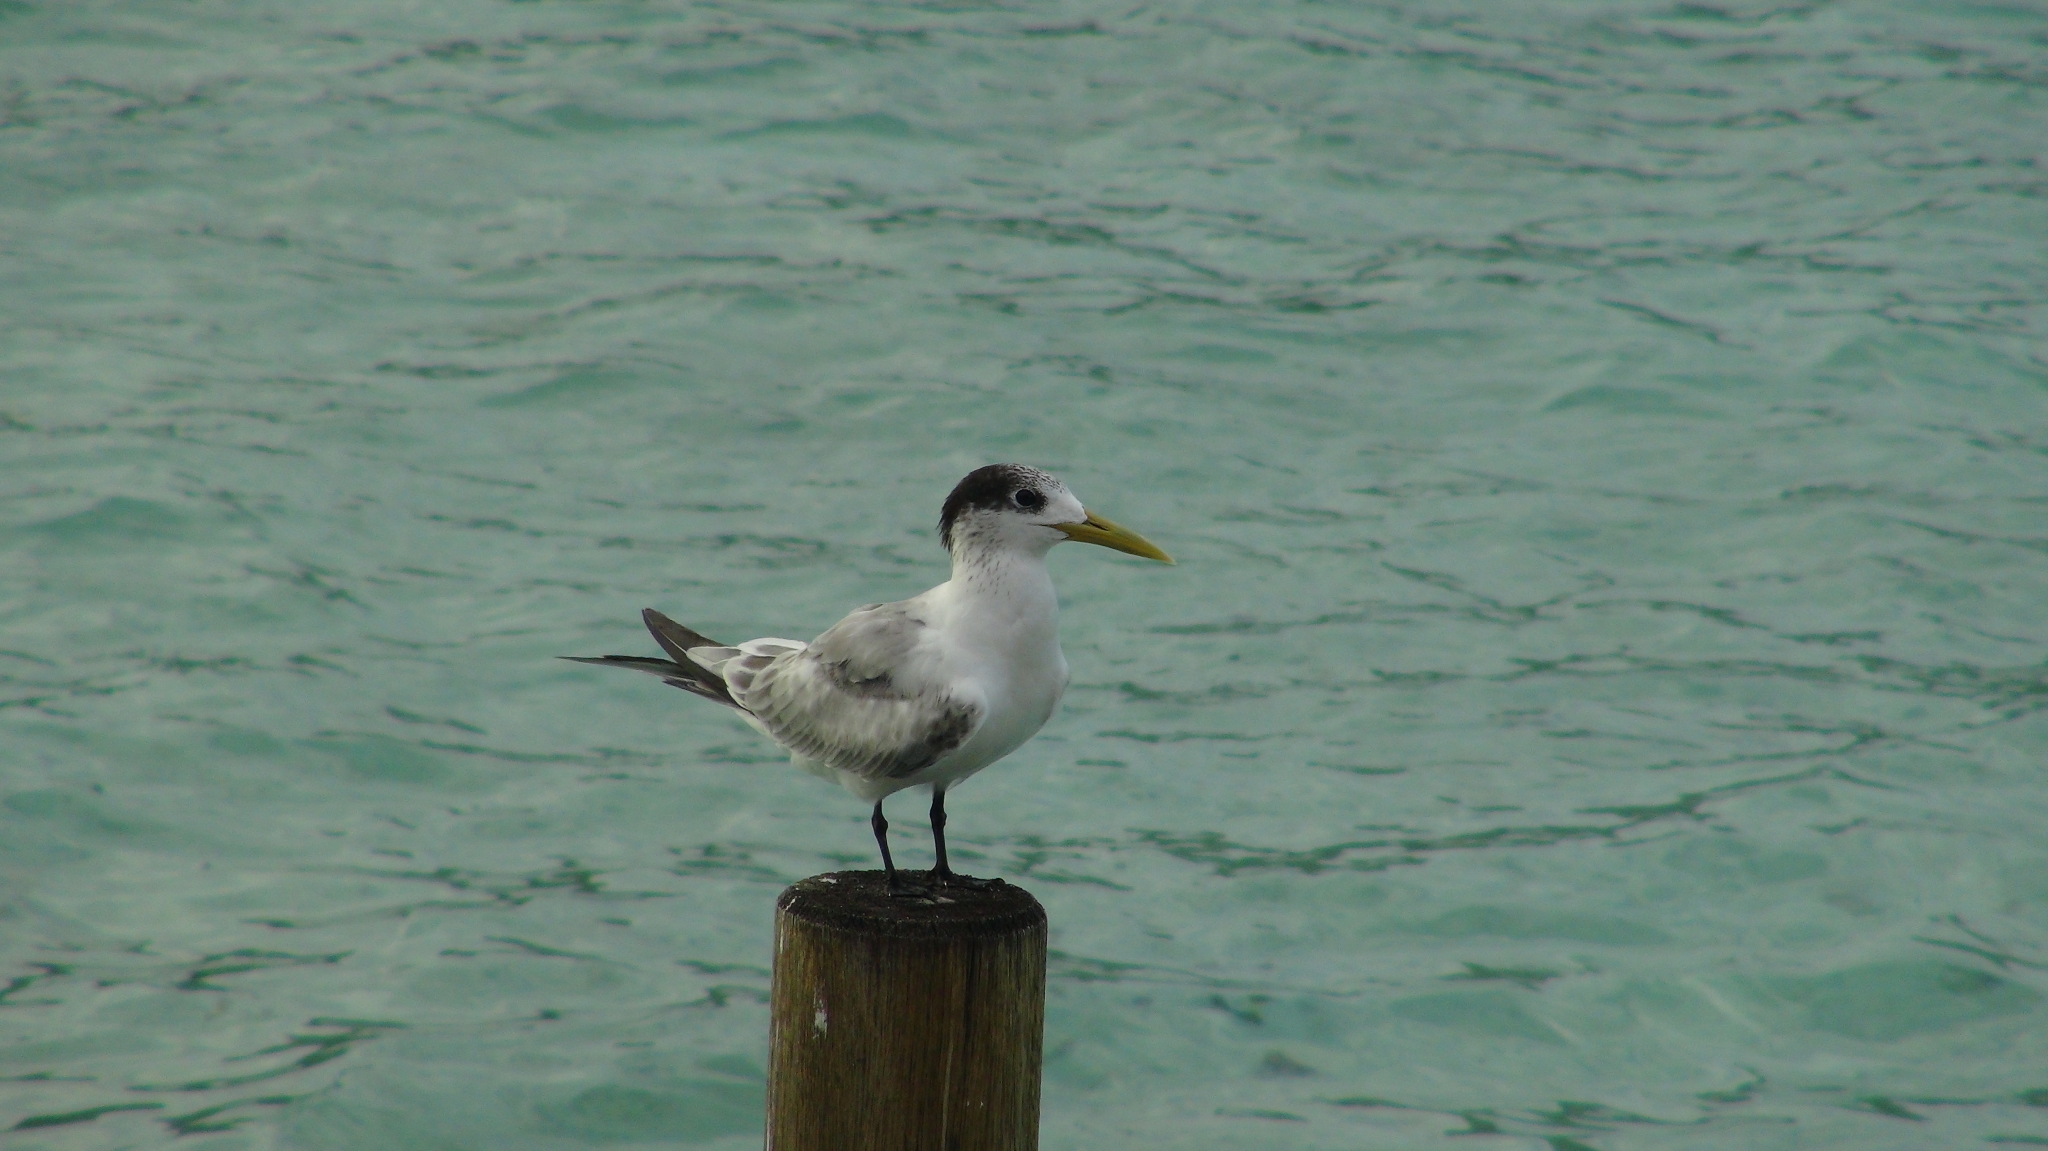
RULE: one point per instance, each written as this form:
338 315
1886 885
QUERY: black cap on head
990 488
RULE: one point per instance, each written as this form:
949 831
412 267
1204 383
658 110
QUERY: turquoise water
1602 702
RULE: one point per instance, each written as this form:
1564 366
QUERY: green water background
1600 704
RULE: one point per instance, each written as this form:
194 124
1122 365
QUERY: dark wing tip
636 662
675 673
674 638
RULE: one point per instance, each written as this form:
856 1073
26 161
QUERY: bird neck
1006 585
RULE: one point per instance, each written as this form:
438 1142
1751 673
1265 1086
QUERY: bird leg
896 885
942 875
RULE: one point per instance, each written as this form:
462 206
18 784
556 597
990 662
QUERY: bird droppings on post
862 901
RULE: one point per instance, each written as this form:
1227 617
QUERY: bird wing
852 699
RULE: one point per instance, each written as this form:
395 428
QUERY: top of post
859 902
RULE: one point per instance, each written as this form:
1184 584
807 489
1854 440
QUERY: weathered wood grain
905 1024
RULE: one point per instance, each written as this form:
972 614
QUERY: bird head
1013 507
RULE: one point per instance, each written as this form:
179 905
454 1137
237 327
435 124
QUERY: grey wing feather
838 700
868 645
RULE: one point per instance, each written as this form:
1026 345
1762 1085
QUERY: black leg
881 826
942 875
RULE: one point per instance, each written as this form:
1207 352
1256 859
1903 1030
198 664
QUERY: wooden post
905 1024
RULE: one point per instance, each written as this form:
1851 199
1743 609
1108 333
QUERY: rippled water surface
1602 704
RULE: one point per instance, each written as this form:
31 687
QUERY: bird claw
900 888
964 882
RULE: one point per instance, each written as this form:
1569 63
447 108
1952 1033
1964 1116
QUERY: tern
926 691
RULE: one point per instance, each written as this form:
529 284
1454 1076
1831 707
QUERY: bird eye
1027 499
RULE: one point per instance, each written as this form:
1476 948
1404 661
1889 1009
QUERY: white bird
926 691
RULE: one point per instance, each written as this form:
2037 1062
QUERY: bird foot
901 888
964 882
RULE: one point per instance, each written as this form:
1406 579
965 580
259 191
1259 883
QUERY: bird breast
1013 660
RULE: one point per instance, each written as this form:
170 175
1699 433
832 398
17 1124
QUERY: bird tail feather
677 671
674 638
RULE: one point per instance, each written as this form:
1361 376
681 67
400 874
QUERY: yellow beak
1096 530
